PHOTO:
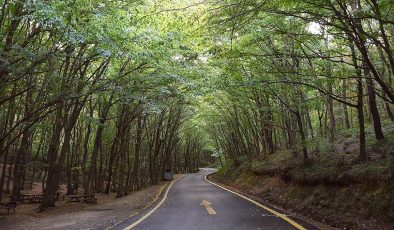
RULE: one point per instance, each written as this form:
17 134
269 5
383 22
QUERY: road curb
280 215
134 224
138 211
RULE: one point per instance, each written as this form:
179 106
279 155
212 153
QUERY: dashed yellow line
284 217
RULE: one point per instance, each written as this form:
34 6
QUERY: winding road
192 202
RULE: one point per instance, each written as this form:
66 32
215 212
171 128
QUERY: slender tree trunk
372 104
135 182
302 134
3 172
84 167
331 123
92 173
23 152
389 111
360 104
344 106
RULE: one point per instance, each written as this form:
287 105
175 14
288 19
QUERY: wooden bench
8 205
90 199
78 198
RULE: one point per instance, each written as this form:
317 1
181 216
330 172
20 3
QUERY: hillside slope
335 188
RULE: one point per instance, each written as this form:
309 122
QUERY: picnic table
36 197
8 205
31 198
78 198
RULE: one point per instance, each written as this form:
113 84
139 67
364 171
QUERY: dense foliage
108 95
294 73
92 96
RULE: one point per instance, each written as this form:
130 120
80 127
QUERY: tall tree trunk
56 166
92 173
330 113
85 154
360 114
303 137
48 200
360 103
23 152
344 106
137 148
372 104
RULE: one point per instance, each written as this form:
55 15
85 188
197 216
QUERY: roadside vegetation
107 96
93 98
333 187
304 117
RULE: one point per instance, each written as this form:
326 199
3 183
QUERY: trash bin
168 175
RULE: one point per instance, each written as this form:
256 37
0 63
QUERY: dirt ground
273 191
107 212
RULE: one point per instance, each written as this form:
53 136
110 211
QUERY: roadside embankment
342 193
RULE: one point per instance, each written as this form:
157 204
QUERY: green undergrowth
371 197
334 184
338 167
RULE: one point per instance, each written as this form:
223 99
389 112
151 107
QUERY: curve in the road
186 205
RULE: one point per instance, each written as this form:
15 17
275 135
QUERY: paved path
193 203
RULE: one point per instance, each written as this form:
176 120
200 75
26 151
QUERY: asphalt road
193 203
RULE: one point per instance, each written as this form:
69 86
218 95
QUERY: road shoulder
296 217
103 215
137 218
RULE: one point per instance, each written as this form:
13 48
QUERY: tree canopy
105 96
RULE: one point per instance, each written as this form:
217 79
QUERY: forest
106 96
